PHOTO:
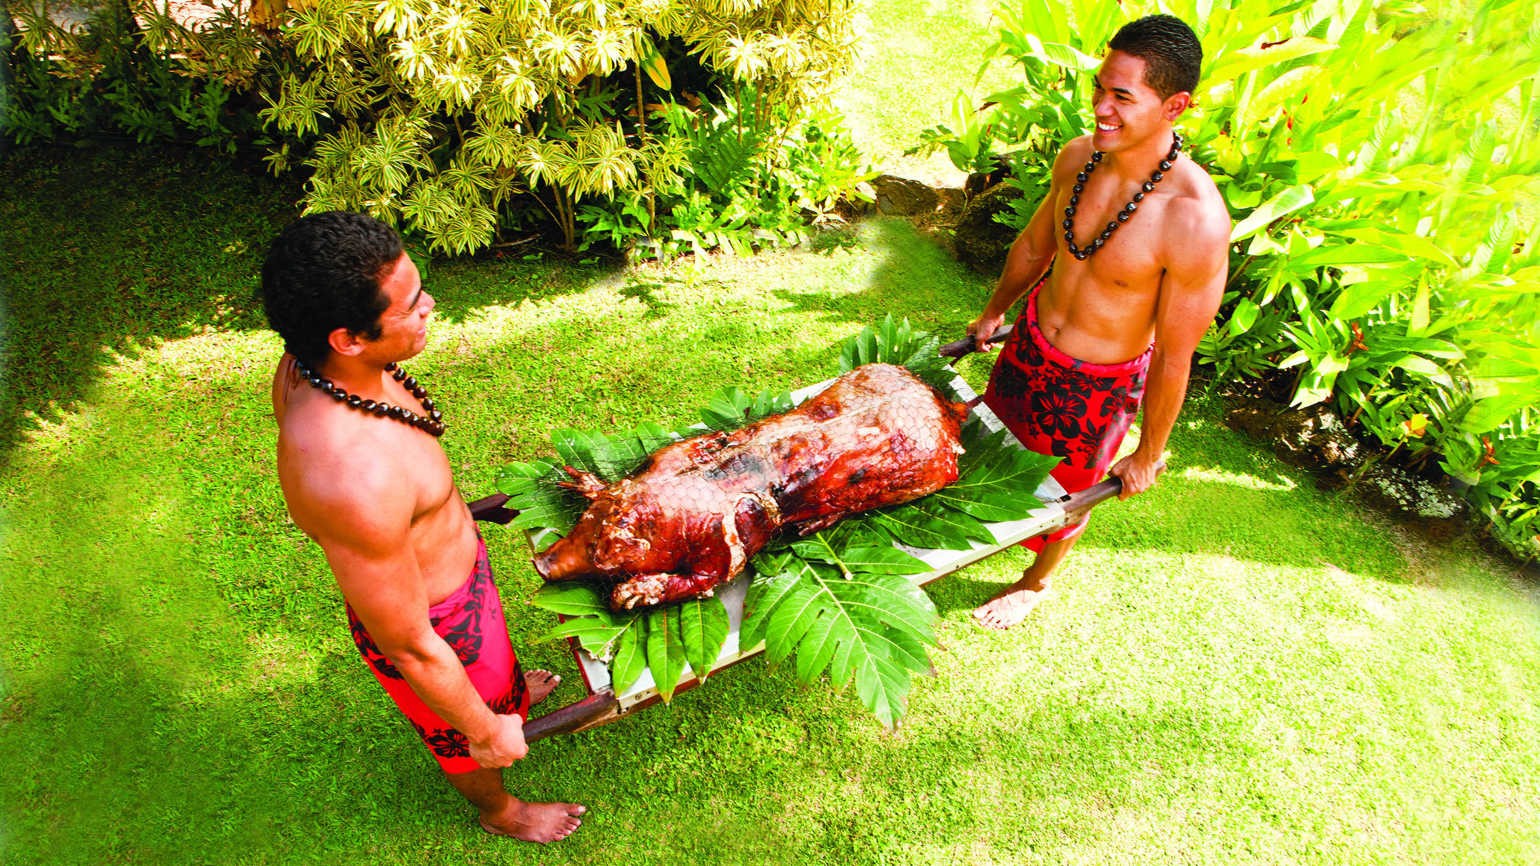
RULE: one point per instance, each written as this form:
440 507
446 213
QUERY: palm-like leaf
896 342
732 408
533 492
870 628
610 457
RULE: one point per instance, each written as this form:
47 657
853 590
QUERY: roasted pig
697 510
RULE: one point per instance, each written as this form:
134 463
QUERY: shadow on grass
110 249
462 286
1222 498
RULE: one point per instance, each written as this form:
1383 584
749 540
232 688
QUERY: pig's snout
561 561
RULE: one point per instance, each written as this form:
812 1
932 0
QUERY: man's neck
355 375
1139 161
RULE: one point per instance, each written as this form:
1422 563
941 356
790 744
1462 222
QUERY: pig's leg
718 555
646 590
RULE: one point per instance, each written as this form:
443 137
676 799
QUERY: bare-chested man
1123 266
364 475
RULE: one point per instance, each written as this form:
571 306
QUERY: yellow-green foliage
434 114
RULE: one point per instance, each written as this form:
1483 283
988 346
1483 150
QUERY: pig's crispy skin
697 510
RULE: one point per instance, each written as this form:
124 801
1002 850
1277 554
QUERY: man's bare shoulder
1074 155
1196 216
339 475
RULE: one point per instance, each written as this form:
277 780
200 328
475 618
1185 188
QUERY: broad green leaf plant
446 117
838 602
1381 164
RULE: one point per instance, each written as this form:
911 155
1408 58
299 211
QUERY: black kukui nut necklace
432 424
1083 253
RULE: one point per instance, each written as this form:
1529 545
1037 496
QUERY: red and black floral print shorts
471 621
1059 405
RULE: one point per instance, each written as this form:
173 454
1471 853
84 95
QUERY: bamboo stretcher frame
603 705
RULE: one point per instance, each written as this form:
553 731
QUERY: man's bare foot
535 822
1009 607
540 684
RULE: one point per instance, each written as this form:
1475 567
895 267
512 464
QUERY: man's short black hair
1170 50
323 273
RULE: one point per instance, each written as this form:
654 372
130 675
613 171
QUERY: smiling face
1129 113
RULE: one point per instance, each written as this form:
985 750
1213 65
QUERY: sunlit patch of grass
1215 475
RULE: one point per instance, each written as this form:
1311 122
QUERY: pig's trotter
645 590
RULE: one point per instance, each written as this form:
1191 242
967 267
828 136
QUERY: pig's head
601 544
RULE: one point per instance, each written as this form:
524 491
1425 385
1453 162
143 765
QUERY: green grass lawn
917 56
1236 668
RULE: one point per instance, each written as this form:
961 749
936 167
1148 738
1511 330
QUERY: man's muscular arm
1191 288
364 530
1032 251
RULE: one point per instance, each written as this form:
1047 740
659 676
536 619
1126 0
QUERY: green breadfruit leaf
630 655
776 558
870 628
957 523
880 560
792 617
571 598
776 578
917 527
732 408
819 647
983 509
992 470
665 650
903 608
703 625
534 493
854 531
826 544
882 688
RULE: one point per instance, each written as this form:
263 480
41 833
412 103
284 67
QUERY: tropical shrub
745 177
445 116
132 70
656 126
1381 163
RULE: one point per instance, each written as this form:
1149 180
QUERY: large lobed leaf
873 629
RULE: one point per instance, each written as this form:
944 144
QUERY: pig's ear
585 483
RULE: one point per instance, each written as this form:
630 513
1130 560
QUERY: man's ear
345 342
1176 103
